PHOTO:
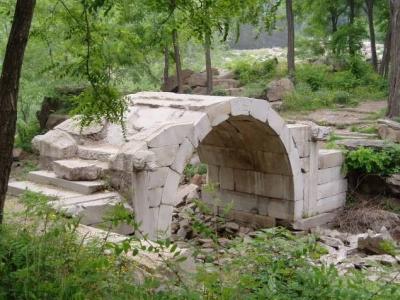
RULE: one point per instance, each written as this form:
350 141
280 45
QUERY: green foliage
348 37
369 161
250 70
388 247
191 170
43 257
274 265
25 133
101 102
320 87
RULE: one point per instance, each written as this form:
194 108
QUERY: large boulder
55 144
171 85
389 130
277 89
198 79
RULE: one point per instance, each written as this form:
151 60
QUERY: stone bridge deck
263 165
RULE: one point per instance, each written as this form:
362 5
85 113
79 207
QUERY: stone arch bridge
266 167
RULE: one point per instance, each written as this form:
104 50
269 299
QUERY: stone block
219 112
165 156
170 192
134 156
331 188
96 131
103 152
227 157
240 106
170 134
154 197
157 178
275 121
226 179
305 164
164 220
330 174
330 158
182 156
259 110
76 169
213 174
56 144
268 185
331 203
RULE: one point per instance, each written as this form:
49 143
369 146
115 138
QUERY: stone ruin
266 168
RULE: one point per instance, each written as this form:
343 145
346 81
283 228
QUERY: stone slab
315 221
17 188
331 188
82 187
329 175
77 169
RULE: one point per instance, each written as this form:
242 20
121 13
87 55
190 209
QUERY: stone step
79 169
356 135
16 188
329 158
97 152
82 187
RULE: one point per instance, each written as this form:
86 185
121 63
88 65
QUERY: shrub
251 70
314 75
369 161
342 97
25 133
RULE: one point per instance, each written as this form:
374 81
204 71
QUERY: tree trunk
352 15
334 21
166 65
370 14
384 67
9 87
207 47
175 41
394 93
290 53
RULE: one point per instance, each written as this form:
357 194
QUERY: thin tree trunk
290 25
352 15
394 93
9 87
334 20
166 65
207 46
384 67
178 64
370 14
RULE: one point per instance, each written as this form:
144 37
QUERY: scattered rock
277 89
373 241
332 242
384 259
232 226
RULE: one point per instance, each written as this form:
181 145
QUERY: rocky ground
211 236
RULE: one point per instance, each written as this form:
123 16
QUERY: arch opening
250 168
